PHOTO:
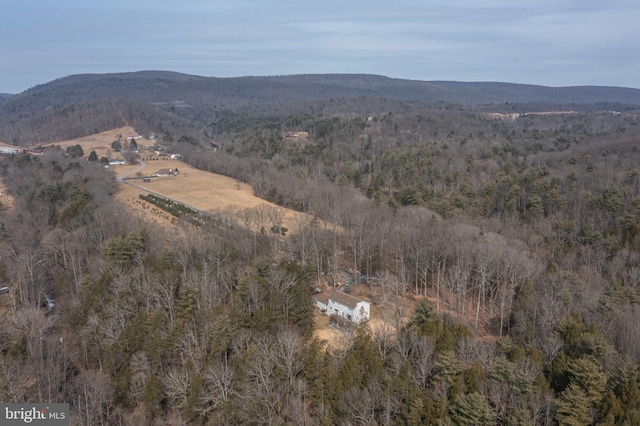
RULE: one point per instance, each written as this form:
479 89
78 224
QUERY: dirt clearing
6 201
101 142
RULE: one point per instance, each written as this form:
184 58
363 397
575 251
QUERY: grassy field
200 189
101 142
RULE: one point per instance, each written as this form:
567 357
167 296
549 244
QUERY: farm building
296 135
166 172
343 305
9 150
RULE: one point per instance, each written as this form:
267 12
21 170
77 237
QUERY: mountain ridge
153 98
362 84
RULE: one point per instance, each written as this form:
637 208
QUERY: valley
499 252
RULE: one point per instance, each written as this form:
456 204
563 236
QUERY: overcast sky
546 42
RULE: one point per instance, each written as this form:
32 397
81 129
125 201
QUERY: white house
166 172
343 305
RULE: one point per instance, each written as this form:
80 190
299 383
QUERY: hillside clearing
101 142
200 189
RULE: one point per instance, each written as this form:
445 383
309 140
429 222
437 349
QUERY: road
121 177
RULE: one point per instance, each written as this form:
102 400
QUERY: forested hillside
516 237
167 101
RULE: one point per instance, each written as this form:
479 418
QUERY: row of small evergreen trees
174 208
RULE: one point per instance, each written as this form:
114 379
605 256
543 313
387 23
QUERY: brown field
516 115
5 199
9 145
200 189
101 142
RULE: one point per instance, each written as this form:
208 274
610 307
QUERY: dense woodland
181 104
523 233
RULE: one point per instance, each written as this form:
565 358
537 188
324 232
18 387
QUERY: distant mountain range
162 95
164 86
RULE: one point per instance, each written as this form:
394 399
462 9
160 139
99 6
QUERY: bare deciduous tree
220 382
92 397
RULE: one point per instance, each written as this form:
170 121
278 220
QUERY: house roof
164 171
322 298
343 298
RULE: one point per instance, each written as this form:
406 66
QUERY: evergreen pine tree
573 407
471 410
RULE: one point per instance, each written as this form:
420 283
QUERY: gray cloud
550 43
